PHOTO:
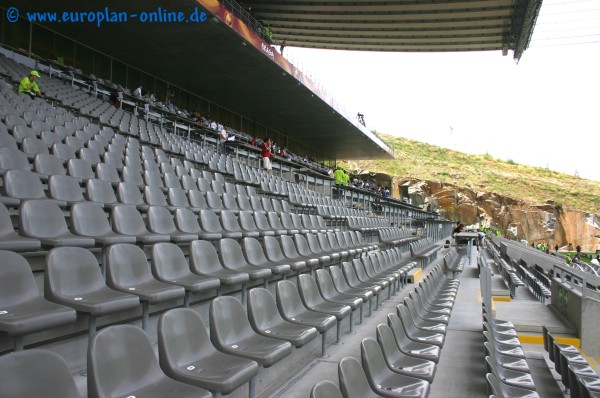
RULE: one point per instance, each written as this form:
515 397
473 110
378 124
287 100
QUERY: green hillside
534 185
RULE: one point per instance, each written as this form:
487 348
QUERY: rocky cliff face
544 223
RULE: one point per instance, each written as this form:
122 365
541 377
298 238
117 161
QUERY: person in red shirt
266 155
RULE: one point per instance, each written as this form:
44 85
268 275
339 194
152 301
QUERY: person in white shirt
213 125
223 137
138 91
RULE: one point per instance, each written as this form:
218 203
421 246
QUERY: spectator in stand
223 137
282 46
338 174
283 152
346 178
266 155
578 248
117 96
213 125
556 248
29 86
386 192
138 92
152 98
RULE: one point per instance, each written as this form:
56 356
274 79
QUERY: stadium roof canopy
224 61
401 25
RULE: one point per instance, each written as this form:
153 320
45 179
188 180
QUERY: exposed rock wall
545 223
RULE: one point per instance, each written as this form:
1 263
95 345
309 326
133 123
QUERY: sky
543 111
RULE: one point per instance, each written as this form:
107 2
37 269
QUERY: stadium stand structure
137 259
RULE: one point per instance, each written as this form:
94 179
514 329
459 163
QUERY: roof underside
401 25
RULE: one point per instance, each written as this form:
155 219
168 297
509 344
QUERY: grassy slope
534 185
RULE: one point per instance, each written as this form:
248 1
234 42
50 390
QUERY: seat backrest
289 302
209 221
155 196
107 172
309 292
373 361
182 339
231 254
16 280
186 221
254 251
41 219
178 198
23 184
313 243
229 221
100 191
204 257
395 324
127 265
111 372
272 250
71 271
80 169
160 220
128 220
12 158
289 247
325 389
387 341
6 226
129 194
168 262
350 274
228 321
63 187
494 385
262 309
89 219
44 163
325 284
35 373
353 381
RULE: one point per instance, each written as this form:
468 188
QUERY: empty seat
255 256
65 189
73 278
101 191
230 224
187 222
274 253
121 363
32 146
328 292
501 390
187 355
211 224
127 220
127 270
23 184
170 265
12 158
385 382
129 194
230 332
89 219
22 309
247 223
409 347
160 221
291 309
266 320
353 381
35 373
325 389
340 284
399 362
232 257
80 169
416 334
44 163
9 239
205 261
108 173
44 220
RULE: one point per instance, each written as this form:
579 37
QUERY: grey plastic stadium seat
80 169
512 363
312 299
266 320
101 191
89 219
255 256
211 224
340 284
127 271
121 363
170 265
415 333
325 389
501 390
230 332
328 292
205 261
431 315
33 146
409 347
177 198
427 326
509 377
9 239
353 282
197 199
7 140
385 382
133 175
274 254
22 309
155 196
24 184
44 220
187 355
35 373
160 221
13 159
20 132
247 223
73 278
108 173
48 164
127 220
65 189
129 194
187 222
288 247
304 249
291 309
232 257
399 362
230 224
287 223
353 381
262 223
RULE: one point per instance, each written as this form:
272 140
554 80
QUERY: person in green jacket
29 86
338 174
